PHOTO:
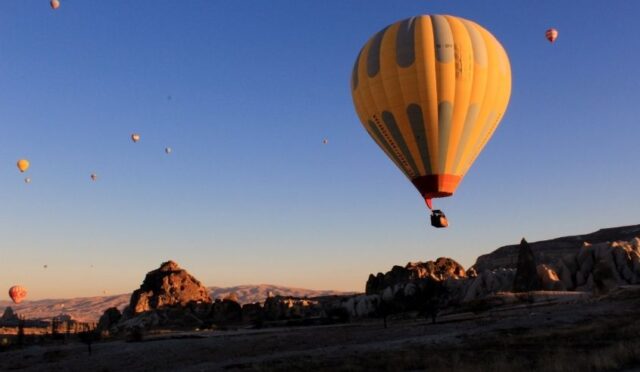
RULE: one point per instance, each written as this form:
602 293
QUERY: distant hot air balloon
17 293
135 137
45 266
430 90
94 177
27 180
23 165
55 4
168 150
325 141
551 34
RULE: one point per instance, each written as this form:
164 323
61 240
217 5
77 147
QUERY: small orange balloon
551 34
55 4
23 165
135 137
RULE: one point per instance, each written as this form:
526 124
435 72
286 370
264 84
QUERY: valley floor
584 334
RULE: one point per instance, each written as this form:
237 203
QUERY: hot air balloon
325 141
168 150
94 177
23 165
27 180
135 137
551 34
55 4
17 293
430 90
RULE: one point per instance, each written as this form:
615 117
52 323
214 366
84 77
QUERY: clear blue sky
250 194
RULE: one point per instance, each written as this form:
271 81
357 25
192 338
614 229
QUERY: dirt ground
583 334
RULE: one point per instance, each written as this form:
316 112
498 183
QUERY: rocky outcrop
441 269
225 311
550 251
485 284
9 315
526 279
167 286
109 319
549 280
601 267
278 307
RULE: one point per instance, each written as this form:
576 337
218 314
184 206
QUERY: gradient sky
250 194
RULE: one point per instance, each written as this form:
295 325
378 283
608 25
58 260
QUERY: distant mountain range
89 309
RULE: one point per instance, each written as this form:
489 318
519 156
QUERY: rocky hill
551 251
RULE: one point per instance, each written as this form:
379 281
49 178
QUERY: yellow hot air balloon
23 165
431 90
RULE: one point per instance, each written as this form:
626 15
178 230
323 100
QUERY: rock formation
550 251
441 269
225 311
167 286
601 266
109 319
279 307
526 273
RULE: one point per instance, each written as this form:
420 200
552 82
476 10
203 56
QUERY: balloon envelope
94 176
168 150
55 4
17 293
430 90
551 34
23 165
135 137
27 180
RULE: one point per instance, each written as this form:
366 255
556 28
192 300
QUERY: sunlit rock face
549 279
168 286
441 269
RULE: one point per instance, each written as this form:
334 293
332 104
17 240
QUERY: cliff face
551 251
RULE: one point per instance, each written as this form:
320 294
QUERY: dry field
600 334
